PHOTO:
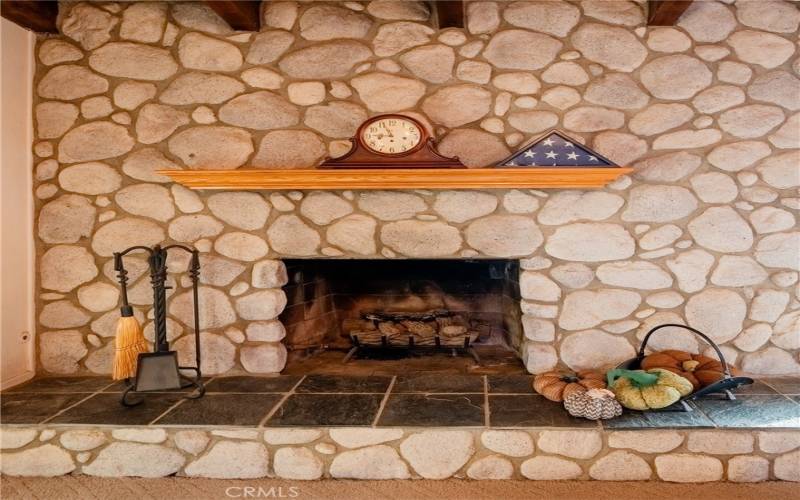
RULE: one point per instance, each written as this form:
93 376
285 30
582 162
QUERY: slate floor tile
327 409
511 384
105 409
32 408
344 384
63 385
121 385
283 383
530 411
789 386
757 387
222 409
666 418
752 411
434 410
451 383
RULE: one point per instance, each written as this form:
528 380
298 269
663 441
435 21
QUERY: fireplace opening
450 314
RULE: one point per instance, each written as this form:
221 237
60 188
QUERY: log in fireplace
412 305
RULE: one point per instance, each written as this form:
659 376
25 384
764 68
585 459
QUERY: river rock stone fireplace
584 296
702 232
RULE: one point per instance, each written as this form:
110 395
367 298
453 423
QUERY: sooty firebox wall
330 299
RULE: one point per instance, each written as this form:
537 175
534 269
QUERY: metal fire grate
414 331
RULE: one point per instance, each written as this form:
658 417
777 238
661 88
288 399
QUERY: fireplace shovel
158 370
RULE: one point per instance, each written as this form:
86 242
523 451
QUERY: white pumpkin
593 404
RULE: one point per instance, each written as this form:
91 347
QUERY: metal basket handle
710 342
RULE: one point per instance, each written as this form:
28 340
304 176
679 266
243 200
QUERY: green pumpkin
647 390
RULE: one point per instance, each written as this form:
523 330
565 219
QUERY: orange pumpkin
700 370
556 385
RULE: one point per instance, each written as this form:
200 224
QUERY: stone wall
704 231
395 453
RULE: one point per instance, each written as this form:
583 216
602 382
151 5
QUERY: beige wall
16 217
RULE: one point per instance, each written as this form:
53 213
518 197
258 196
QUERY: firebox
411 305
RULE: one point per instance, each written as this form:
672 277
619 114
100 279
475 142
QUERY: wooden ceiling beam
39 16
665 12
450 14
244 15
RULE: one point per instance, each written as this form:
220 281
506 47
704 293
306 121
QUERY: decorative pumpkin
650 389
593 404
698 369
556 386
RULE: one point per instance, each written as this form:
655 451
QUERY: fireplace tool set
159 370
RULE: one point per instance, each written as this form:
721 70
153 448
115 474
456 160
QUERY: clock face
391 136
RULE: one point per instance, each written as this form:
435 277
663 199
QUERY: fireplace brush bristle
129 340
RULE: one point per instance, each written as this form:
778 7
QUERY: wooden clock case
423 155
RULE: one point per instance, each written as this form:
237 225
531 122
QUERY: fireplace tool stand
159 370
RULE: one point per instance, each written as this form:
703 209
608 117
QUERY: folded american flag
556 150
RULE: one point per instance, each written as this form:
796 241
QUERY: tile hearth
498 401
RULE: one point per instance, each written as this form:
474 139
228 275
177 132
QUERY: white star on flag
548 142
529 154
552 154
572 156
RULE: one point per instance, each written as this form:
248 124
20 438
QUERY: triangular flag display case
553 160
556 149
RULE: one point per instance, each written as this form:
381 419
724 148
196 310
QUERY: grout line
347 393
245 393
239 393
99 391
274 410
102 389
48 419
177 403
385 399
21 390
486 414
51 393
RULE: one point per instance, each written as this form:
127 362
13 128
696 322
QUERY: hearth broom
129 341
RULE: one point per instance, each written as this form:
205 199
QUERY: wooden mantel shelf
396 178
